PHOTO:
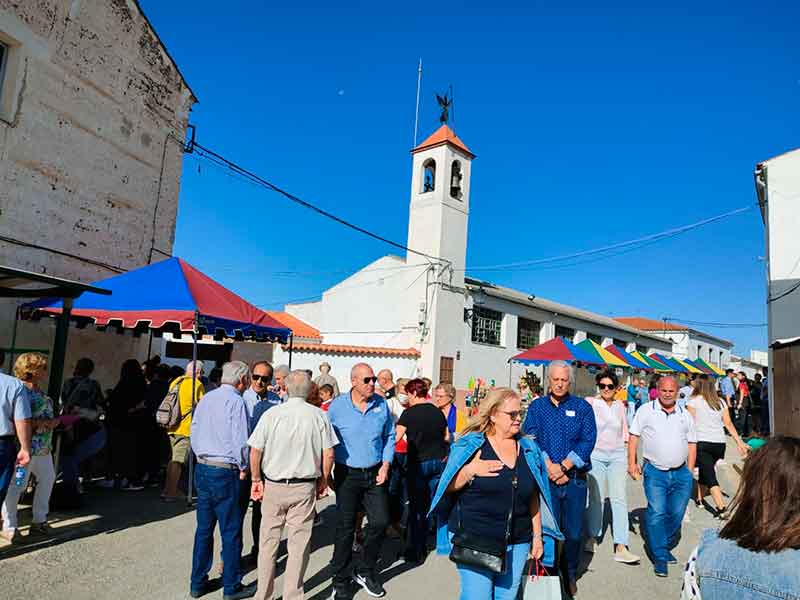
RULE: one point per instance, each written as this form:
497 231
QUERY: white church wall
341 364
309 312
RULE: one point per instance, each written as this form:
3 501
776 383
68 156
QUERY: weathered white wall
92 112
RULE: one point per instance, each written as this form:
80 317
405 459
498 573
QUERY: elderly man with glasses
366 433
565 429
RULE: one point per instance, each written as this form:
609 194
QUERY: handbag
472 550
540 585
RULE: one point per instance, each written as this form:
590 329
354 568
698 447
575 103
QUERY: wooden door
446 369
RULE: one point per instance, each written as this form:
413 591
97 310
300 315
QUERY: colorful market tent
653 364
628 358
601 354
171 296
702 369
673 365
704 365
685 363
556 349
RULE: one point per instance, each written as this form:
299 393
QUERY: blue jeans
8 459
217 501
667 493
71 463
478 584
569 505
423 478
607 480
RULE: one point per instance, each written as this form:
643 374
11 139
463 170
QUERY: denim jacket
462 452
726 570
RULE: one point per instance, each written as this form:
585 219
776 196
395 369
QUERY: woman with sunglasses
495 490
609 468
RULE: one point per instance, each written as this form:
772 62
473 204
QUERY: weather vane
445 103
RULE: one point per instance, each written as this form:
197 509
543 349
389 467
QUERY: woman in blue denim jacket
475 492
756 555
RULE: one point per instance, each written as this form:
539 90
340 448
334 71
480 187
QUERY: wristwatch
564 469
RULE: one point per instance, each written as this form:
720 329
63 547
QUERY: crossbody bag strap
514 484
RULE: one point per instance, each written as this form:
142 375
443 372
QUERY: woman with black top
498 486
128 416
425 429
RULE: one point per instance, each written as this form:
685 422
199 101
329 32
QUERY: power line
224 162
717 324
88 261
784 293
636 243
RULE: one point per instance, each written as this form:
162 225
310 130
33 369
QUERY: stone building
93 117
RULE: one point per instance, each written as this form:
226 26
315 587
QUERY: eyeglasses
263 378
606 386
514 415
368 380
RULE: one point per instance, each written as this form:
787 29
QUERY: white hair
194 367
298 384
562 364
282 370
233 372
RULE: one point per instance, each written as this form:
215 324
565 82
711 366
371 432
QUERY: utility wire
635 242
784 293
222 161
676 320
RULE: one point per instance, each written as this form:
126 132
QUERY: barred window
486 325
565 332
642 349
597 339
620 343
527 333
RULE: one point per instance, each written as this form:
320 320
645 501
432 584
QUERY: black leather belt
362 469
10 436
292 480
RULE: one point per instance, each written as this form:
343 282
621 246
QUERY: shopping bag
538 585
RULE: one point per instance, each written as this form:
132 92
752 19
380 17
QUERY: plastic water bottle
19 476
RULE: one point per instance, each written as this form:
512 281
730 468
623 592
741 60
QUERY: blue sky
592 125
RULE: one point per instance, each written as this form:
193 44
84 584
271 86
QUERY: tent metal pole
13 350
291 343
59 354
194 384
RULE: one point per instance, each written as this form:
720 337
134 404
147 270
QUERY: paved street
131 546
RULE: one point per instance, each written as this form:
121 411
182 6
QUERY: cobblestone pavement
132 546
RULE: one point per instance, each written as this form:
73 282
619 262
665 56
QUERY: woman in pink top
609 467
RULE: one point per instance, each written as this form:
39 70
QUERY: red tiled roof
651 324
299 328
346 349
443 135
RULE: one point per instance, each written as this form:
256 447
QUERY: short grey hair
298 384
324 367
562 364
282 370
198 368
233 372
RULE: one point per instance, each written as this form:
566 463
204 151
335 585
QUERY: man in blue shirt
15 422
365 429
219 439
564 427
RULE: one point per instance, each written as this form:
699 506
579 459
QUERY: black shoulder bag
473 550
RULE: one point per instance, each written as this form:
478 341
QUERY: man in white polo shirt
669 447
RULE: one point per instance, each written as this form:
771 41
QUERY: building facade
93 117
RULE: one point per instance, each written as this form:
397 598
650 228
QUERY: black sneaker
370 584
241 592
342 591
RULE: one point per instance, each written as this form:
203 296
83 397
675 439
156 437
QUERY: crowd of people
497 488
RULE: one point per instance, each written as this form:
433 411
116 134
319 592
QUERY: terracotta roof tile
651 324
299 328
443 135
346 349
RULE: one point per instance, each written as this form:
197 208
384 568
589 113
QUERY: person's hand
554 472
743 448
257 490
537 548
383 474
563 480
484 468
243 474
635 471
23 457
322 487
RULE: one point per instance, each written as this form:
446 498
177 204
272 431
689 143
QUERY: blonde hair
708 390
29 363
482 422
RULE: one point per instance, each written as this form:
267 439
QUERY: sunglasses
514 415
263 378
606 386
368 380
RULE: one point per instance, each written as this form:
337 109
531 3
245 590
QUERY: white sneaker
626 556
589 546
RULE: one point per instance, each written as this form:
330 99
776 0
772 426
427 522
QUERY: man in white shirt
669 447
292 447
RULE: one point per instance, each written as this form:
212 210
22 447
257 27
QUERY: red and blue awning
169 296
628 358
556 349
672 364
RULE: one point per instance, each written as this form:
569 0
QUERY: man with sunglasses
365 429
564 427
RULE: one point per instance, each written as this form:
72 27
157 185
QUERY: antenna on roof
416 113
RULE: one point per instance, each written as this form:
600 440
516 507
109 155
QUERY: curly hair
28 364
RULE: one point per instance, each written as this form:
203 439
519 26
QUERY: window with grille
597 339
486 325
643 349
565 332
527 333
620 343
